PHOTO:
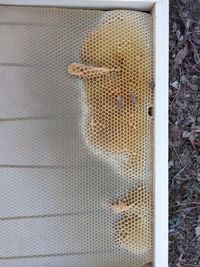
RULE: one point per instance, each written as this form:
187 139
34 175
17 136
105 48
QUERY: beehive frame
159 10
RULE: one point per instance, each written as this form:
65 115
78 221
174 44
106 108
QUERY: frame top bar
144 5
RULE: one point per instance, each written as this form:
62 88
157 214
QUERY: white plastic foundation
12 166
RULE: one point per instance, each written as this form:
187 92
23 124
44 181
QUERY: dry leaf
187 24
195 128
192 86
181 55
179 36
186 134
195 40
174 27
197 231
184 79
192 140
175 84
195 143
180 104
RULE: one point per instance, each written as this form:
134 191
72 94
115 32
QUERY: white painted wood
105 4
161 48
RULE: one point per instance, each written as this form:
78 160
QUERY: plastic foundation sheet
76 140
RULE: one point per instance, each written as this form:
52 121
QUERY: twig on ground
173 179
177 156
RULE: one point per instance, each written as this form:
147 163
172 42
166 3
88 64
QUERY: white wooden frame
107 4
160 11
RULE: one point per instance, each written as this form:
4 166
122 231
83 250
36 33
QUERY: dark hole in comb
150 111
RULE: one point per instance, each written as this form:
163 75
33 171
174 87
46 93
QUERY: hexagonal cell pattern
117 72
75 154
134 229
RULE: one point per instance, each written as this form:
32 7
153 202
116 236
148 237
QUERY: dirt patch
184 133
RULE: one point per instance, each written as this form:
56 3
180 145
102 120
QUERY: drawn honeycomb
117 72
134 230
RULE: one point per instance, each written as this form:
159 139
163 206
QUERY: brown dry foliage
184 136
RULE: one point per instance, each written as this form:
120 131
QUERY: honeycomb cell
117 72
134 230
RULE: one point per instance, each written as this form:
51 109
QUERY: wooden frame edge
161 48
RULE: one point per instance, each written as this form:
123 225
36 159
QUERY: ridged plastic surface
117 76
76 154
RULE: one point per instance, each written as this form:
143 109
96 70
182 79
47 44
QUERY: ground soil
184 133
